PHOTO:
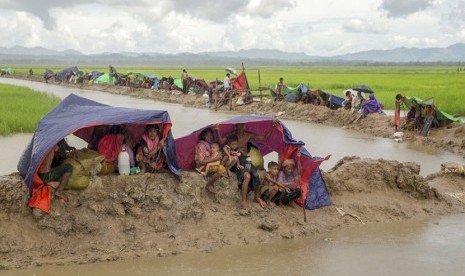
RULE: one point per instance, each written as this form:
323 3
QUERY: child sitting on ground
288 178
215 152
270 185
231 154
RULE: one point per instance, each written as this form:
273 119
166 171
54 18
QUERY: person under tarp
79 116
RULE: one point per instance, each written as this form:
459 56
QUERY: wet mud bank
125 217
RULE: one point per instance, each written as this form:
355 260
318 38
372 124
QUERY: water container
123 162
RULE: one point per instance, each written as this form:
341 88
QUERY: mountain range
38 55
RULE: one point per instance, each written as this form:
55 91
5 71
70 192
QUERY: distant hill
263 54
251 57
453 53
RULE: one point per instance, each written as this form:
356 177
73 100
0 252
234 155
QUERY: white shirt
226 82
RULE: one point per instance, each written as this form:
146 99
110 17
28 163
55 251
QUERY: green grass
443 83
21 108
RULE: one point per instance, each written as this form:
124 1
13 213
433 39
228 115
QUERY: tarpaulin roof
289 89
77 115
281 141
63 74
105 78
441 115
96 74
152 77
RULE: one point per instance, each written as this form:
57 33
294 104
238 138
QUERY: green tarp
178 83
8 71
105 78
286 89
441 115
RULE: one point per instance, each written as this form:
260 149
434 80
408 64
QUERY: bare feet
53 184
261 203
61 195
270 205
198 170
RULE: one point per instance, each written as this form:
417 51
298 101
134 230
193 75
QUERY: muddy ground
124 217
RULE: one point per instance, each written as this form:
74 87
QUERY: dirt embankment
123 217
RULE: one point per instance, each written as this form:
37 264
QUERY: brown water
429 247
422 247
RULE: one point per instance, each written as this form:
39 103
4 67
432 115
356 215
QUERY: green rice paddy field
445 83
21 108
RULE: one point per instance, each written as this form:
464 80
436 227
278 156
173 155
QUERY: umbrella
231 71
363 88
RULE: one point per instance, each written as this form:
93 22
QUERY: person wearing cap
288 177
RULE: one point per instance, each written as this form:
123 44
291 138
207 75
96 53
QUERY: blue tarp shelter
96 74
64 74
155 80
78 116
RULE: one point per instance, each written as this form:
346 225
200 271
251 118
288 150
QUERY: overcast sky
316 27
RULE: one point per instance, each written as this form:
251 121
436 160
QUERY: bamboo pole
260 85
216 94
299 175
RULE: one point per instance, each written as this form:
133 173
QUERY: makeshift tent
240 83
63 75
440 115
96 75
154 79
198 85
79 116
178 83
288 89
327 99
105 78
48 74
8 71
281 141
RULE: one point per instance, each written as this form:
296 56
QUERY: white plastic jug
123 162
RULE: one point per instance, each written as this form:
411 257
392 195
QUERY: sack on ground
257 158
85 163
79 179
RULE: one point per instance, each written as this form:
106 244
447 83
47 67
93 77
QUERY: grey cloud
212 10
40 8
267 8
454 17
402 8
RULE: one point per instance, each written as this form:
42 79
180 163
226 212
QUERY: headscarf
288 162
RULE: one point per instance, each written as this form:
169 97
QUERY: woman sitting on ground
150 156
203 156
